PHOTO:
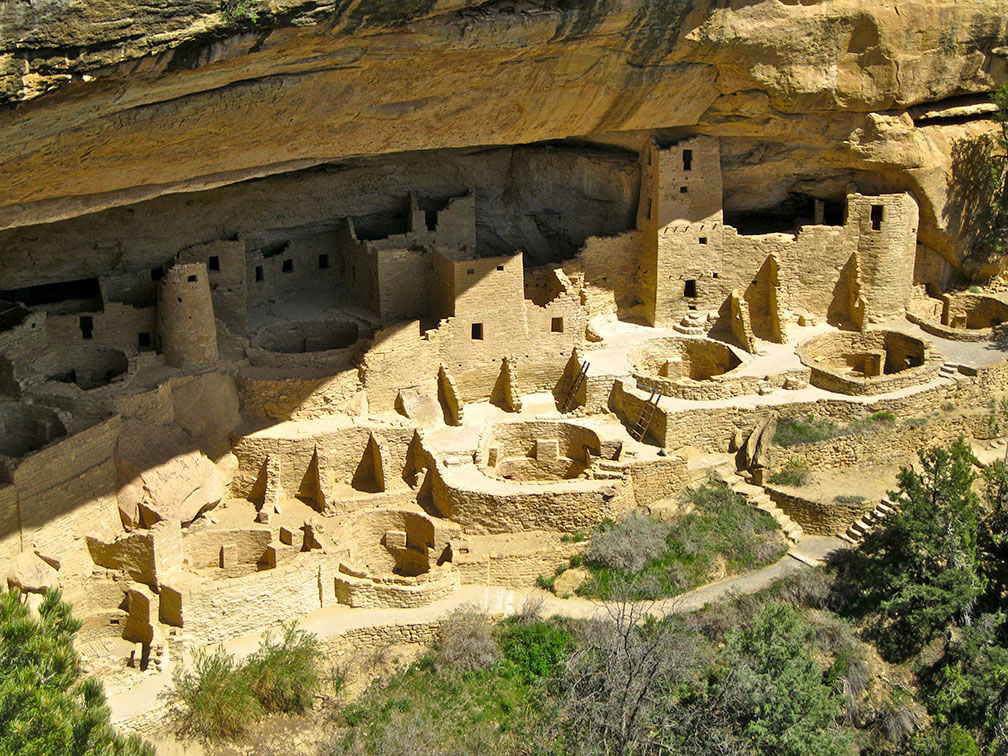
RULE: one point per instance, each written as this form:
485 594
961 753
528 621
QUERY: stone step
747 490
861 527
804 559
845 537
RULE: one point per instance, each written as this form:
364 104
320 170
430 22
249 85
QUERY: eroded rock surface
144 101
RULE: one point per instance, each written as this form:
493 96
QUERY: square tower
681 219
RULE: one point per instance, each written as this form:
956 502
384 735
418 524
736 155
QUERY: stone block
547 449
138 627
395 539
228 555
170 605
287 536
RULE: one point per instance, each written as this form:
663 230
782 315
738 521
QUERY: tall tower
886 251
187 331
682 224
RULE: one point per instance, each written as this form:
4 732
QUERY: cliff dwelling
376 364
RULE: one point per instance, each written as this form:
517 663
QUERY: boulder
162 475
569 581
29 573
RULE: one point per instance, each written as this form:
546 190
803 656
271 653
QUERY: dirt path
495 600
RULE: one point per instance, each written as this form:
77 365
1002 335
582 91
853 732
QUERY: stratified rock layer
170 97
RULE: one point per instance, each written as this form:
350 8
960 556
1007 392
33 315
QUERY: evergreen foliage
47 706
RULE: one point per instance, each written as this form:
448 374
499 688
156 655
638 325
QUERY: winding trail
497 601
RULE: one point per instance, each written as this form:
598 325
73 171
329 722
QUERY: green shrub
536 648
722 534
284 672
849 499
223 696
241 10
797 472
546 583
792 431
218 696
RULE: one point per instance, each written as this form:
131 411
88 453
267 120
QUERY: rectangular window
143 339
259 273
477 331
86 326
500 267
683 189
323 262
213 263
703 239
470 271
687 160
287 266
689 290
877 212
556 325
192 279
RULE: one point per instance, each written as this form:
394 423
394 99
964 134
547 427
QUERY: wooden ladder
575 386
646 415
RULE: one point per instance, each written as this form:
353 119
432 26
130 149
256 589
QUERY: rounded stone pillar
187 331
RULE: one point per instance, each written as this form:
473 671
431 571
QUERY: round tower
187 331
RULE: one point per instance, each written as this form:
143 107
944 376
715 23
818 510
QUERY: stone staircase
606 469
950 370
759 498
857 531
693 324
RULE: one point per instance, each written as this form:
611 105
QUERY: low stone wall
828 356
883 443
220 610
514 570
486 505
358 590
710 429
954 334
819 517
656 479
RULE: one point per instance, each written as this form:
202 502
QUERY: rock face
110 103
29 573
163 477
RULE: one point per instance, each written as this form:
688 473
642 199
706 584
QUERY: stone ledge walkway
498 601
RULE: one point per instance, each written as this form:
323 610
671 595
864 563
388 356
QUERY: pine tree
923 567
47 706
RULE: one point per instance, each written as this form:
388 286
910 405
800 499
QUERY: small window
213 263
470 271
715 275
500 267
703 239
687 160
86 326
430 219
143 340
259 273
689 290
193 279
683 190
287 266
477 331
556 325
323 262
877 212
